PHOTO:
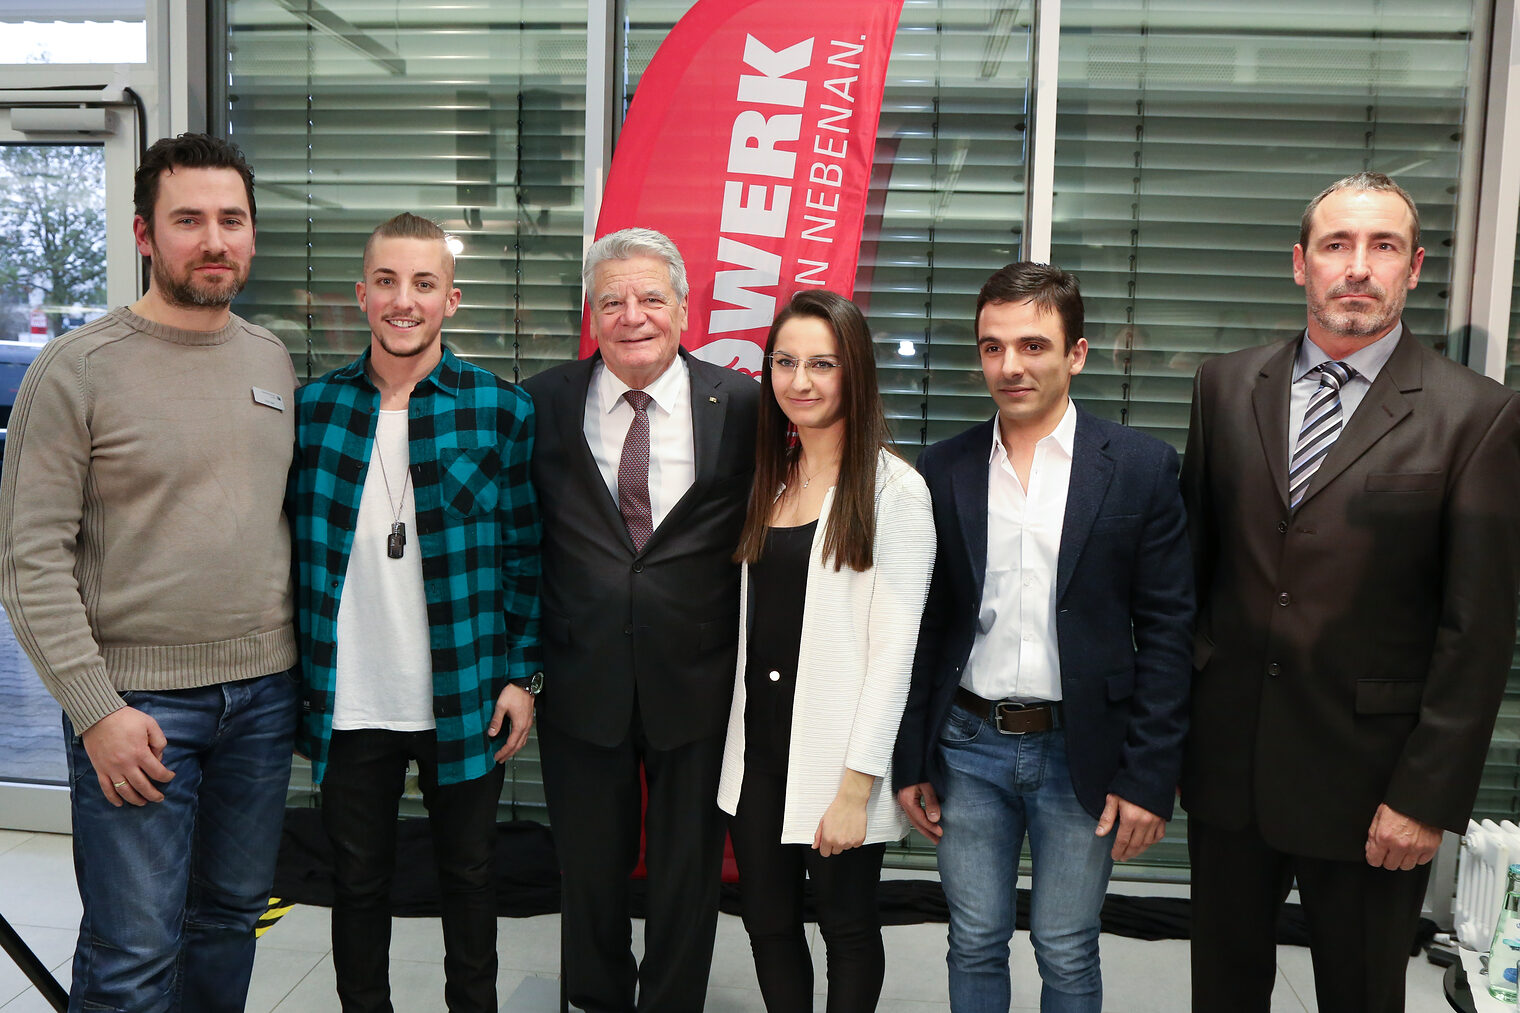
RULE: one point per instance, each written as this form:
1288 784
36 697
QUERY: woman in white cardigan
837 550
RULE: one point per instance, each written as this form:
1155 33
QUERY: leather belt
1009 717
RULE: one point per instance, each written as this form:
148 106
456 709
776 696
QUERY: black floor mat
527 883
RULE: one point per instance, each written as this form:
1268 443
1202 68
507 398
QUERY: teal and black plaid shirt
471 435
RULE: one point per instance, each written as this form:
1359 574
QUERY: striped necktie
1322 424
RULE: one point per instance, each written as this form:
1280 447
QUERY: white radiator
1488 849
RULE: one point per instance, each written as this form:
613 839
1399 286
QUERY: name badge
269 398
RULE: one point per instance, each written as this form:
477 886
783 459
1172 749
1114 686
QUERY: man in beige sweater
145 567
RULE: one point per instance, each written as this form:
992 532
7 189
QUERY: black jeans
770 900
361 790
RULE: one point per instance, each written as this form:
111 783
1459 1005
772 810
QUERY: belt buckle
998 709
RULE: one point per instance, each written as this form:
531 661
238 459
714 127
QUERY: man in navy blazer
1050 684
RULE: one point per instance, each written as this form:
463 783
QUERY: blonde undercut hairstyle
409 226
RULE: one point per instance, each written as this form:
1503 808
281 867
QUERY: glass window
946 205
1512 361
52 279
53 224
471 113
1499 793
74 31
1189 138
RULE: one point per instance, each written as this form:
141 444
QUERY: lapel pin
713 400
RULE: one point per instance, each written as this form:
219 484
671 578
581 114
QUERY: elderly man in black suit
1354 505
643 463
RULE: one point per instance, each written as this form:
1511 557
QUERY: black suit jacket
1353 651
1124 612
662 622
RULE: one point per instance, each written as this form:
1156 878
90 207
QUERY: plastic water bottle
1505 951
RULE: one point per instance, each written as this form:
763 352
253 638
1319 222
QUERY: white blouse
854 664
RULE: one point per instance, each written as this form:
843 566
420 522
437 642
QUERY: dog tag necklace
395 543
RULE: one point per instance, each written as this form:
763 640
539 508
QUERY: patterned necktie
633 473
1322 424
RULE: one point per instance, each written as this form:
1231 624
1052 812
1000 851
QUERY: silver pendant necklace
807 479
395 542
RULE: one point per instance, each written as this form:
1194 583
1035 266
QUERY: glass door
66 256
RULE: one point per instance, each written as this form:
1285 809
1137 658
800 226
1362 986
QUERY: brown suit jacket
1354 651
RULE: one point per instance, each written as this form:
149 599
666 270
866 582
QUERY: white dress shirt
1368 361
1014 655
672 456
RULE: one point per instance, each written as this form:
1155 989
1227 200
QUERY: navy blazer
1124 612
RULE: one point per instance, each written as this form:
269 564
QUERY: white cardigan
853 666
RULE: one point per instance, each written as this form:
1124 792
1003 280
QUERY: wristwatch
532 685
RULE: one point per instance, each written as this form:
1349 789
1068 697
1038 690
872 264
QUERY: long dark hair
851 533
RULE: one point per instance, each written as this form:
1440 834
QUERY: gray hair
1364 180
626 243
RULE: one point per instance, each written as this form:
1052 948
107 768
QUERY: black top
778 585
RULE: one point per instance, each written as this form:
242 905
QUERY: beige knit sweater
142 540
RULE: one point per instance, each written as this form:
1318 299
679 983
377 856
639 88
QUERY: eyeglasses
817 367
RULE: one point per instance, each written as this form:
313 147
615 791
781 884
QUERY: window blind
1189 141
469 113
1499 793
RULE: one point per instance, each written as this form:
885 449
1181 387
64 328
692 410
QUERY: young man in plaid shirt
417 546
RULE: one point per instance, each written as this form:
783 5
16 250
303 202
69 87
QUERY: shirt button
775 677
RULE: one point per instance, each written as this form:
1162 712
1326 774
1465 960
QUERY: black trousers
361 790
594 800
1361 924
770 896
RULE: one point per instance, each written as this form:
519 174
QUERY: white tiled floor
293 971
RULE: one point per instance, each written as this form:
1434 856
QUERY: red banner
749 143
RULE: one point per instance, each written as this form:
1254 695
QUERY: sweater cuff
88 698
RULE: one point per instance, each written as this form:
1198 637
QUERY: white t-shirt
385 668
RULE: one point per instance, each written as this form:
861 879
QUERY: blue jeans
996 787
171 890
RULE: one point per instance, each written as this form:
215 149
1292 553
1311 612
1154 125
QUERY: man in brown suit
1354 506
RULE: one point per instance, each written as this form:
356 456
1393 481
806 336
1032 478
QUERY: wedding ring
118 784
